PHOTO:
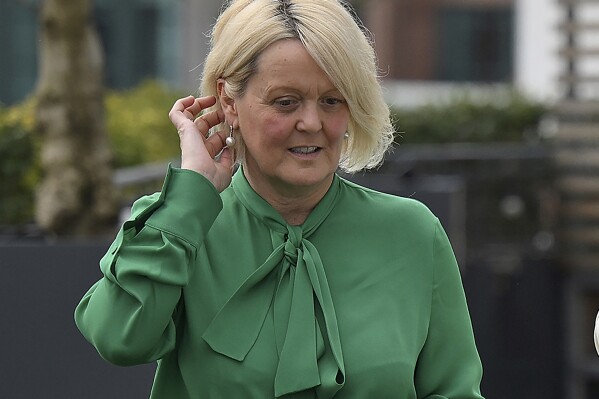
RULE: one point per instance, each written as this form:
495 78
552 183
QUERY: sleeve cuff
188 205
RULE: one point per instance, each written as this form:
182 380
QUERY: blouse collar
293 282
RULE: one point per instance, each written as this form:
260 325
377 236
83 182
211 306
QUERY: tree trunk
76 196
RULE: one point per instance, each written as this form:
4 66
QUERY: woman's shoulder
390 205
406 222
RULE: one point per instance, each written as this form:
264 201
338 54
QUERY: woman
284 280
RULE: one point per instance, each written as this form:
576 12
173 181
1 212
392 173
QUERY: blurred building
425 47
429 50
142 39
444 40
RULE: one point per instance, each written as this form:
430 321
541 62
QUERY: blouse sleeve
448 365
128 314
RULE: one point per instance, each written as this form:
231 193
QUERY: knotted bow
291 278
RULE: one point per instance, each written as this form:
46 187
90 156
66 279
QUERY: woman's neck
293 204
294 211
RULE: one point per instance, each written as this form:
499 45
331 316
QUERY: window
18 39
129 37
475 45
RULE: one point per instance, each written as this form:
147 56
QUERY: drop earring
346 135
230 140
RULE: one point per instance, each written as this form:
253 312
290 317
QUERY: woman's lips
304 150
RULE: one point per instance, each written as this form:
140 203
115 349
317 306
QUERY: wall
43 353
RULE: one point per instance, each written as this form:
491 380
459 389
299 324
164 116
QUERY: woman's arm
449 365
128 314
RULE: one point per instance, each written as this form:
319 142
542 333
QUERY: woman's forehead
287 63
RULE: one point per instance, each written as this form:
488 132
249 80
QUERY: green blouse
363 300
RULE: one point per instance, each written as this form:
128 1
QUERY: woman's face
292 120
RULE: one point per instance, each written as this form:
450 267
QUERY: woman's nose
309 119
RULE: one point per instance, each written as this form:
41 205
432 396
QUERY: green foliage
19 169
513 120
138 125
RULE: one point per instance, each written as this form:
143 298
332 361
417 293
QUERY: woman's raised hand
199 152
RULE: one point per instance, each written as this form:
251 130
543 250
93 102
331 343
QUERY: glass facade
475 45
137 37
162 39
18 50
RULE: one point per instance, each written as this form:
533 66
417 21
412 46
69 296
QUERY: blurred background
496 105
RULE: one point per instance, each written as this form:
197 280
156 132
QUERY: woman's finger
177 112
187 108
207 121
215 143
226 159
200 104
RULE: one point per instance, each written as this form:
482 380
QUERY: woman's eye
332 101
285 102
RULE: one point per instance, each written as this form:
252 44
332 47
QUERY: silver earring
346 135
230 140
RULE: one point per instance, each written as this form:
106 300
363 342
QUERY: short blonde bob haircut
335 39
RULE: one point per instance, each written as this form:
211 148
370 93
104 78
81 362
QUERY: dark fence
43 353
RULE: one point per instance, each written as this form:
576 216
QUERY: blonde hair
333 36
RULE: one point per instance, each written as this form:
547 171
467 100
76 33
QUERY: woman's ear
227 103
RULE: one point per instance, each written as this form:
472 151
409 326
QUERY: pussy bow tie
292 280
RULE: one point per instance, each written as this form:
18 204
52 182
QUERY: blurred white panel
537 65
